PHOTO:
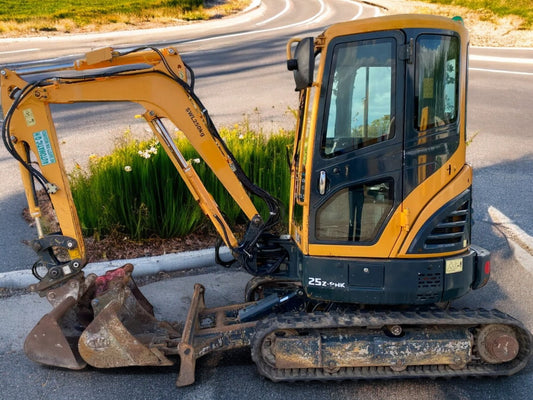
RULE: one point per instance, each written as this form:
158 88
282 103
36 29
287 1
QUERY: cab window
355 213
437 63
360 96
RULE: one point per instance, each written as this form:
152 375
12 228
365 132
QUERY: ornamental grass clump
137 191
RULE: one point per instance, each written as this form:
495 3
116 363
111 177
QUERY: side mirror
302 63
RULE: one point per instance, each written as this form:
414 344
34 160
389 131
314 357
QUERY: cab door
356 175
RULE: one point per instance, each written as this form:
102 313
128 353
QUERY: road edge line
520 242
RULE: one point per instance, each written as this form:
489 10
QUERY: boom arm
155 79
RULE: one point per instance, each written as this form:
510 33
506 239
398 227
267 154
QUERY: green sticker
44 148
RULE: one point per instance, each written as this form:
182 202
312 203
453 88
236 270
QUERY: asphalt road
499 120
245 62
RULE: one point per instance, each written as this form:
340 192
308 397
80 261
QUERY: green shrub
136 189
185 4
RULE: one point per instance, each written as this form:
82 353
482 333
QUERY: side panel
377 281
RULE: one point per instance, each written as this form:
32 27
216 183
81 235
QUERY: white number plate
454 266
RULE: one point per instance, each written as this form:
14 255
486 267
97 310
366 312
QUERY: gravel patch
485 28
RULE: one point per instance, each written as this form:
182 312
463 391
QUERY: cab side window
361 92
355 213
437 83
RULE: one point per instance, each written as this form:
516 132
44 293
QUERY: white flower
148 152
144 154
127 168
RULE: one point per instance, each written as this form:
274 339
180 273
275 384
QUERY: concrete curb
143 266
253 4
375 4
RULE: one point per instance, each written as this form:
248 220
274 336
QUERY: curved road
240 68
267 18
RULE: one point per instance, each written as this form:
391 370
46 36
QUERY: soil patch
118 246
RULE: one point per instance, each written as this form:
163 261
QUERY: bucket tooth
124 331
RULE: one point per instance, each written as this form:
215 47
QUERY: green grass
137 191
82 10
500 8
65 15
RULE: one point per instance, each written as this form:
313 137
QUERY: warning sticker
427 88
28 116
44 148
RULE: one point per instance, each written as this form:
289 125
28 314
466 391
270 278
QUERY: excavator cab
379 219
381 192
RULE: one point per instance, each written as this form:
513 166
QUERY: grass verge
67 16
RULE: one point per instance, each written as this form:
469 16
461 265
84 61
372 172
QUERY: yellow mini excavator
379 219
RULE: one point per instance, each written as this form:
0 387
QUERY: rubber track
467 317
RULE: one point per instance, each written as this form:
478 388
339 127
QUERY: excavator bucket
48 344
102 321
124 331
53 341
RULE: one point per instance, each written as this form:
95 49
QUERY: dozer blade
53 341
124 331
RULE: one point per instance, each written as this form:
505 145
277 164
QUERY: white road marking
510 60
504 60
501 48
327 12
253 4
313 18
521 242
360 12
499 71
231 35
19 51
284 11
